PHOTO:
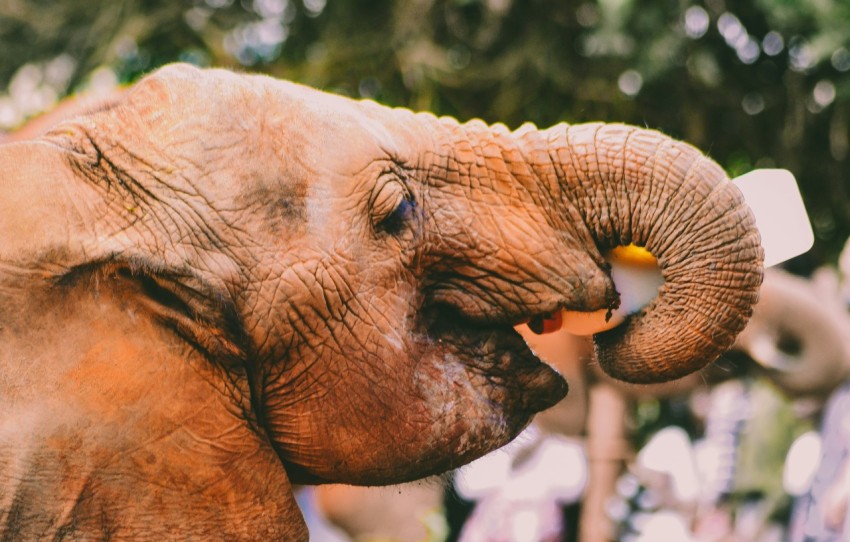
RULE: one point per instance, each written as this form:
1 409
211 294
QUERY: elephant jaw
472 388
499 352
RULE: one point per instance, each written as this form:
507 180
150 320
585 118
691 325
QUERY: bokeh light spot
824 92
841 59
630 82
753 103
696 22
772 44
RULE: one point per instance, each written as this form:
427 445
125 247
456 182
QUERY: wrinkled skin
222 284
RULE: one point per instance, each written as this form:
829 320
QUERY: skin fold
217 285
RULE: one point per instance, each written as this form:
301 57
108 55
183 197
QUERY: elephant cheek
468 413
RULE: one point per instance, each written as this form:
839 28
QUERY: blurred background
756 447
755 83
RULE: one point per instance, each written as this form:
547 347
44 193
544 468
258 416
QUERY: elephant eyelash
393 186
394 223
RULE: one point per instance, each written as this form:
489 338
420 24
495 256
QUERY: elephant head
800 333
221 283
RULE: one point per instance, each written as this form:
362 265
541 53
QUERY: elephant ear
40 201
55 220
105 361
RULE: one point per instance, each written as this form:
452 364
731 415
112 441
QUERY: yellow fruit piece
632 255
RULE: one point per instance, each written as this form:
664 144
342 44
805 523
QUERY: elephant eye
392 207
394 223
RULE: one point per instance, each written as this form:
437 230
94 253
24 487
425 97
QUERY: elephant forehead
320 130
336 133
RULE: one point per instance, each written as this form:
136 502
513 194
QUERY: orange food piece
590 323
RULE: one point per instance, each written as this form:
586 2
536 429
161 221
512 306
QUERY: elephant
221 284
799 333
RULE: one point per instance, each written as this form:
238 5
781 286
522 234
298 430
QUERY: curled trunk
638 186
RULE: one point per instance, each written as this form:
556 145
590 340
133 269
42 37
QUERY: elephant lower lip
548 387
540 384
501 354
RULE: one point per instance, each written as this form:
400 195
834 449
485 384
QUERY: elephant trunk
638 186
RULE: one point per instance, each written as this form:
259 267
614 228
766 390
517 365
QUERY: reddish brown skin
222 284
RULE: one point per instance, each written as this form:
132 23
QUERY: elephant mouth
495 350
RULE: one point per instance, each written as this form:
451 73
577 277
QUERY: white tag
781 218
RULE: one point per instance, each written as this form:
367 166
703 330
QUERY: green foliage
756 83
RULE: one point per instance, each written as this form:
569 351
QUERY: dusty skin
217 285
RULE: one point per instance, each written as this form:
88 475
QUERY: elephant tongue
548 323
